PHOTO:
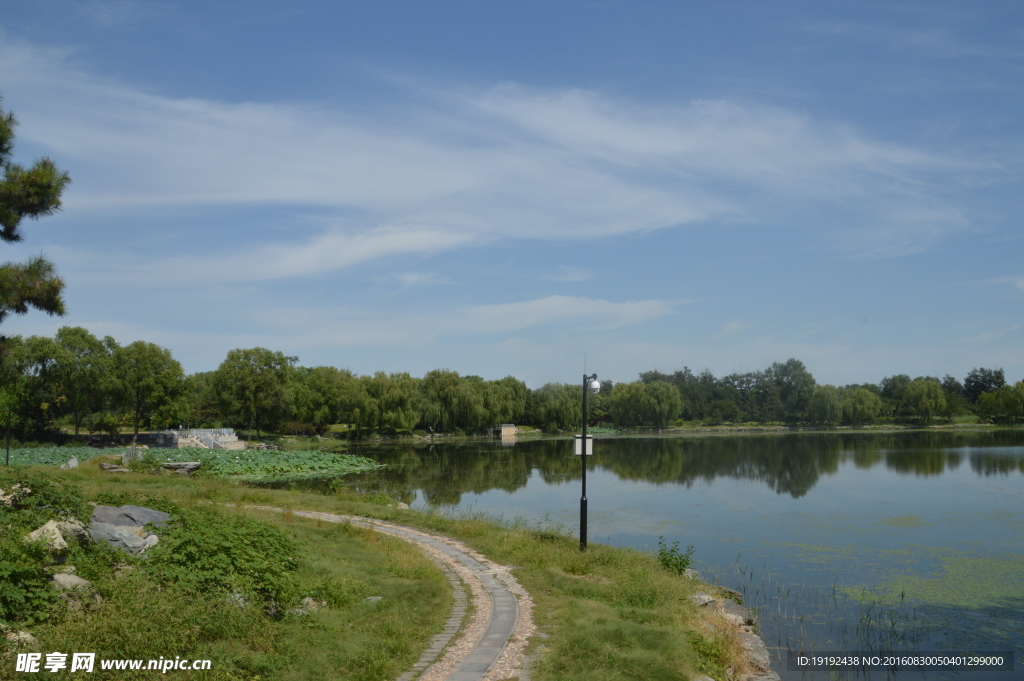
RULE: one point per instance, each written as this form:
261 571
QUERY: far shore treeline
82 384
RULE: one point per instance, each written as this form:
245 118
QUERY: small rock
735 619
373 599
701 598
67 570
72 463
69 582
123 569
692 574
13 494
132 454
50 534
310 604
151 541
21 639
239 599
402 505
113 468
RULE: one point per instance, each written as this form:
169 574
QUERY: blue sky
503 188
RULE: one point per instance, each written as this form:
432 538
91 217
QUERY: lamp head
595 386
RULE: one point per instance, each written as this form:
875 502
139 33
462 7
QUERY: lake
840 541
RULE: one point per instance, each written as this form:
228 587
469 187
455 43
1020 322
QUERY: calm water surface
908 541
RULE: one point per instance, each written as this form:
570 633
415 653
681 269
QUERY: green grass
143 616
606 614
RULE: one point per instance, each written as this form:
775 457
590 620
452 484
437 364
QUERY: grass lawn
605 614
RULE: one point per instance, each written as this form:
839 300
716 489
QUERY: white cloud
994 334
931 41
346 328
420 278
500 163
731 328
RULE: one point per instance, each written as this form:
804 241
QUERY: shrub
27 501
673 559
25 592
209 550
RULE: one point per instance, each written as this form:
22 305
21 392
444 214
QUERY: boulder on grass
70 582
19 639
120 537
72 463
128 515
50 534
182 467
72 530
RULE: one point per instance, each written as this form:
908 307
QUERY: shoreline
682 432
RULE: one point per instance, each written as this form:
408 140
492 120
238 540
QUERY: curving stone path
484 645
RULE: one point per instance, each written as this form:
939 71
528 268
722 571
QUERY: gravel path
485 643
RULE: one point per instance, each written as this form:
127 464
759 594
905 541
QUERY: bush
25 592
28 501
209 550
673 559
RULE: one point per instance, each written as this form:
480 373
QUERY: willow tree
31 192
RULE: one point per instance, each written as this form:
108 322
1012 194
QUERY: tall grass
825 615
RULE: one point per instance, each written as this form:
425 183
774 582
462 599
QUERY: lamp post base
583 524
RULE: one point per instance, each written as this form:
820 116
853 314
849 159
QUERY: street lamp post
7 461
590 384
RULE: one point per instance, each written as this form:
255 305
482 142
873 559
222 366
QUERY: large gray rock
757 653
121 537
182 466
72 530
128 515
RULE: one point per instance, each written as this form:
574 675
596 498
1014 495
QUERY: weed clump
672 559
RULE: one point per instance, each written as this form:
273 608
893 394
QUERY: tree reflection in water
788 464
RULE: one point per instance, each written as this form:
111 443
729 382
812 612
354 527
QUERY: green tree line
83 383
